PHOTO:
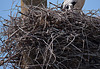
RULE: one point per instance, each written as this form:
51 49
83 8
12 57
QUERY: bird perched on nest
73 4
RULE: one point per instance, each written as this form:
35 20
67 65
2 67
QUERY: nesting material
52 39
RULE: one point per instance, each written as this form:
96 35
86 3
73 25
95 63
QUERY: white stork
73 4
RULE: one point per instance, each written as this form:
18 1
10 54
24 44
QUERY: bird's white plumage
73 4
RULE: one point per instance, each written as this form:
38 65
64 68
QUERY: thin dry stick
55 5
2 62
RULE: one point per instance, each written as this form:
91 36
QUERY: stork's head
72 4
68 6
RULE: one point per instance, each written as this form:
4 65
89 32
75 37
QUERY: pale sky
5 6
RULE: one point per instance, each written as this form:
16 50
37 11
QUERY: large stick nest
52 39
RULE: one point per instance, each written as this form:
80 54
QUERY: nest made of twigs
52 39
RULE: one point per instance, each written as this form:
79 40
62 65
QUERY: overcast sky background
5 6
